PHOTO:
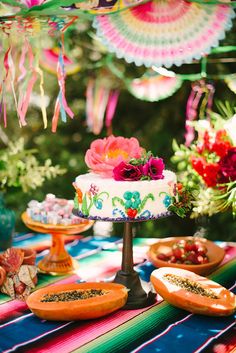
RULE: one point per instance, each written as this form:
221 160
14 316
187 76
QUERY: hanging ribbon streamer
111 108
100 99
61 103
25 98
21 66
199 104
42 94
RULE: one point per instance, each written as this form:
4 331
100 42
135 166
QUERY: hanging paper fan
231 82
163 33
153 87
49 60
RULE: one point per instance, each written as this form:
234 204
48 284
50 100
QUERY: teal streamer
62 110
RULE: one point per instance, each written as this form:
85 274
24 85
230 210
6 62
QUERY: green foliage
19 168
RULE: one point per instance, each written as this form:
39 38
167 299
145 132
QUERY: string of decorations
151 33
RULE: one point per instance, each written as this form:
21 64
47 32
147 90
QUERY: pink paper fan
49 61
164 33
154 87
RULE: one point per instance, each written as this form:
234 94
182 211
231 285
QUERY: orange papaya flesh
77 301
189 291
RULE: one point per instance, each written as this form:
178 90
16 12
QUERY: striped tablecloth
159 328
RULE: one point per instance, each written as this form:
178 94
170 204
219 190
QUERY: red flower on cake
105 154
127 172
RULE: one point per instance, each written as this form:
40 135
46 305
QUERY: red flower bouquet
208 166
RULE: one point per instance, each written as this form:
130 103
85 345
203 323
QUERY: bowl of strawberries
195 254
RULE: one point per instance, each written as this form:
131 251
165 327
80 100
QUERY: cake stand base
137 297
58 261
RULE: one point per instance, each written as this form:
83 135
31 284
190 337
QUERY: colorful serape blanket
158 328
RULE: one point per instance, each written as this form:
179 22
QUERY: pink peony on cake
125 183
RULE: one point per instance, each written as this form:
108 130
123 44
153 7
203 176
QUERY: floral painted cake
125 183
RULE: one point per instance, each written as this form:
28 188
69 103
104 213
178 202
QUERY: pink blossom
31 3
153 168
127 172
105 154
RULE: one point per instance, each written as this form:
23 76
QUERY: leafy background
154 124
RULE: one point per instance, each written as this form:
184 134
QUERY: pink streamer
55 116
23 104
191 112
111 107
22 62
198 89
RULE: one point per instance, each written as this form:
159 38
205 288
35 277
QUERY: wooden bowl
214 253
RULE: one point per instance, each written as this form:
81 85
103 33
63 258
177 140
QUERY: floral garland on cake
208 166
123 159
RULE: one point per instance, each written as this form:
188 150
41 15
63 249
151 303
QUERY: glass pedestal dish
137 296
57 261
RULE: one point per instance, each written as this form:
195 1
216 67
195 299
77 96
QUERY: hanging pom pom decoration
199 104
164 33
153 87
100 99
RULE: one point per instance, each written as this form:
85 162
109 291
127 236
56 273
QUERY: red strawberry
192 257
178 252
131 213
201 249
163 257
190 245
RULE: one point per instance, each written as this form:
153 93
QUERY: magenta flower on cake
153 168
127 172
31 3
105 154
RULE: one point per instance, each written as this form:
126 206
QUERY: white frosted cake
124 184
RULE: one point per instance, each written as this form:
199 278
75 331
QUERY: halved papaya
194 293
77 301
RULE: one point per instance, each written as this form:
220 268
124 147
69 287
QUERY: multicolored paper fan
49 60
164 33
153 87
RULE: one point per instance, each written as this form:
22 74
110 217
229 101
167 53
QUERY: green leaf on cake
119 200
84 207
76 202
143 203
